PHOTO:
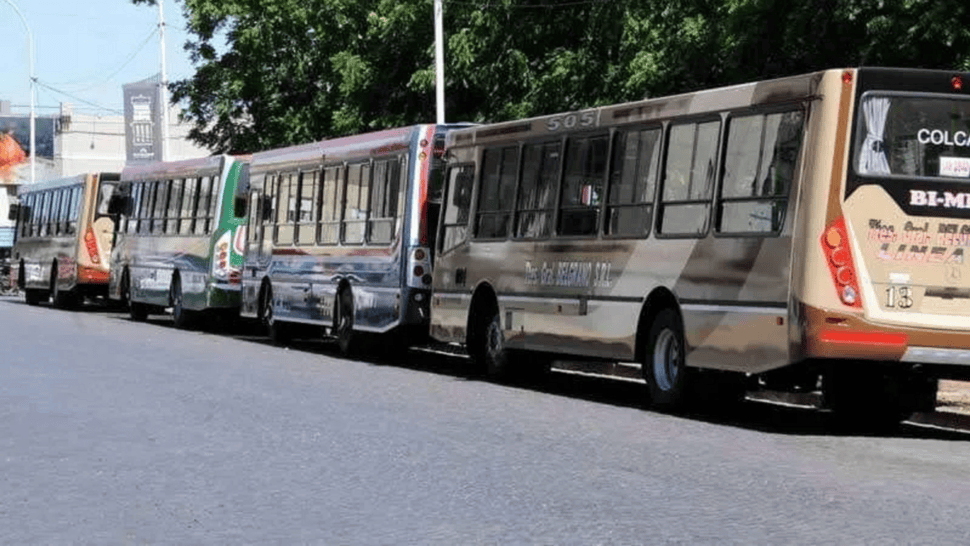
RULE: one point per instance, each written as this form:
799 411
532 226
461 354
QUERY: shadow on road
755 413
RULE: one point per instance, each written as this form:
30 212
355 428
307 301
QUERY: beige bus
808 232
64 235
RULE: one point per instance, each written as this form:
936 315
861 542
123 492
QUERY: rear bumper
833 335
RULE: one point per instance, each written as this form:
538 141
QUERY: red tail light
91 243
835 246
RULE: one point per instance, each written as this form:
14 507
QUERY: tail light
420 261
91 244
835 246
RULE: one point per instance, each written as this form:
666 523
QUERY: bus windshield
913 136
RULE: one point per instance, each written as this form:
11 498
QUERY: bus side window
202 206
582 186
174 206
355 210
497 192
385 195
161 203
190 199
458 200
537 190
759 167
630 202
286 208
330 199
307 213
46 218
56 207
688 183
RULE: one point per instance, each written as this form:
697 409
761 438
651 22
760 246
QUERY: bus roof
202 166
781 90
61 182
338 149
333 149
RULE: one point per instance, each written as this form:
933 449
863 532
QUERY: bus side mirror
14 212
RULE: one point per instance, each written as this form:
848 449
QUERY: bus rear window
913 136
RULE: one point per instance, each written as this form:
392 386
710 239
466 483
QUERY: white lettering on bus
947 200
940 137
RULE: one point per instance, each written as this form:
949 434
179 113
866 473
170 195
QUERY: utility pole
163 85
439 58
33 83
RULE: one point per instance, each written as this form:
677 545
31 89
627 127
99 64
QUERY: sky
86 50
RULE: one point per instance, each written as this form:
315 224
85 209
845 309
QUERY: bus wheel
343 327
180 316
137 311
664 367
60 298
277 332
489 353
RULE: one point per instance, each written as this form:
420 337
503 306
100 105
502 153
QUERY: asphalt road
114 432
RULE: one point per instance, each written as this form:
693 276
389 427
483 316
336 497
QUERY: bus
807 233
64 234
341 236
180 238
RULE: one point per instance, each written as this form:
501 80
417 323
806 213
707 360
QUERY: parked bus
179 240
340 236
64 235
806 231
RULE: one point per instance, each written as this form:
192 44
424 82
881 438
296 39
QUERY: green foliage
277 72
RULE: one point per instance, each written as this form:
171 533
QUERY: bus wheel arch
181 317
344 318
661 349
485 339
276 331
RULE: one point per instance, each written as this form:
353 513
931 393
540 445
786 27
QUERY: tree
297 71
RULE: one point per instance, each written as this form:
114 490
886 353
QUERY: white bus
340 238
64 235
807 231
180 238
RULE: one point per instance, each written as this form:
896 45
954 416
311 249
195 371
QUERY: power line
119 69
89 103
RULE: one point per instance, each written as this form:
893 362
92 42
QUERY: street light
33 80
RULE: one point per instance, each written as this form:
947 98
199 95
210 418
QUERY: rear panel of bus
65 223
887 236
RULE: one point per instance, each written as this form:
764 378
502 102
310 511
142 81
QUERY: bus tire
61 299
664 367
343 327
181 317
276 331
137 311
